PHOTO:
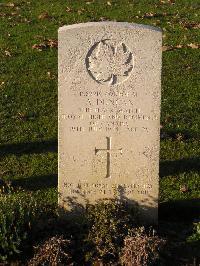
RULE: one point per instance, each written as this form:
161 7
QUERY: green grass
28 89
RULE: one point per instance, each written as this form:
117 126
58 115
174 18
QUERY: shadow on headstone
145 213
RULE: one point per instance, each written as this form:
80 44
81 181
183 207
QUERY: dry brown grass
141 249
54 251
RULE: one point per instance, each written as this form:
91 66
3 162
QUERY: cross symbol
108 150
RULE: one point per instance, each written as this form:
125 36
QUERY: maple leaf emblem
108 63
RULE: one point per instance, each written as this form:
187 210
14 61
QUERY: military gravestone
109 114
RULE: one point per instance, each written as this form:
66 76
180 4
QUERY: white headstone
109 114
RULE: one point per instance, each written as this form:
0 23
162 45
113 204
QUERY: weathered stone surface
109 114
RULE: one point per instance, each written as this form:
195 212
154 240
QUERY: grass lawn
28 93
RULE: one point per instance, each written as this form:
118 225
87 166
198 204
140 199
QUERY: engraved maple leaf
110 64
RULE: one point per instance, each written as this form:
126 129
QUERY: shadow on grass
34 183
179 166
178 251
29 147
166 167
177 134
180 210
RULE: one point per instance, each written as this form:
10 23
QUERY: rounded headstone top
110 24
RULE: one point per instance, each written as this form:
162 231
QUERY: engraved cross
109 150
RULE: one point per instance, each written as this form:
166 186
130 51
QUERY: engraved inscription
109 63
108 150
107 190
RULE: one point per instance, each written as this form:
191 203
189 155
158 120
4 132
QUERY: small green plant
141 248
18 212
110 221
196 233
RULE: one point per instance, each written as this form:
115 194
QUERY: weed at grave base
141 248
54 251
109 222
98 237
